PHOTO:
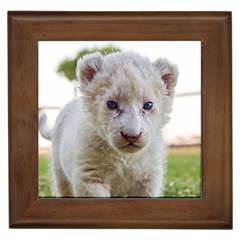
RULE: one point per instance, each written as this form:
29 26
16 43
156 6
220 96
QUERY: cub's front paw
93 189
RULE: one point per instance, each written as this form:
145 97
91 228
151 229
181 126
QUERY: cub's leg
88 183
61 184
152 186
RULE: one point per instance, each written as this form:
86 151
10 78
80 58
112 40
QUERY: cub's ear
168 72
88 67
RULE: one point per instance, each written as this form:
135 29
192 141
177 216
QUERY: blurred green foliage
68 66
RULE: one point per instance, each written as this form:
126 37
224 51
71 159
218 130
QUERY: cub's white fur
118 151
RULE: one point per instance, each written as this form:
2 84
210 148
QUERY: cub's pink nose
131 138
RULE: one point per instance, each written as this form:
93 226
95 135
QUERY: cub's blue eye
112 105
148 105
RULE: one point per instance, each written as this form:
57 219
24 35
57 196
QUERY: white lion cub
108 142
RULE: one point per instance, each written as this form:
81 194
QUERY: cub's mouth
128 143
130 148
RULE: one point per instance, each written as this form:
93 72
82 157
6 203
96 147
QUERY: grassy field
44 177
183 177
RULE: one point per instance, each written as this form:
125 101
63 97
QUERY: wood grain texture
213 210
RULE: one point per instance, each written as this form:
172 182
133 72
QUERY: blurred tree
68 66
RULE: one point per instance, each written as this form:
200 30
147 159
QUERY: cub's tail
44 130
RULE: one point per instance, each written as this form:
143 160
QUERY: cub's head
127 97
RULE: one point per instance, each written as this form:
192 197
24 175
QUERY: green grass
44 178
183 176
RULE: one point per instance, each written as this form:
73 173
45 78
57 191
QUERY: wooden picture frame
212 210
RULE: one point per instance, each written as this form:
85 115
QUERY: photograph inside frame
120 119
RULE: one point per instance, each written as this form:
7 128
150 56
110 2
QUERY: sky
55 90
